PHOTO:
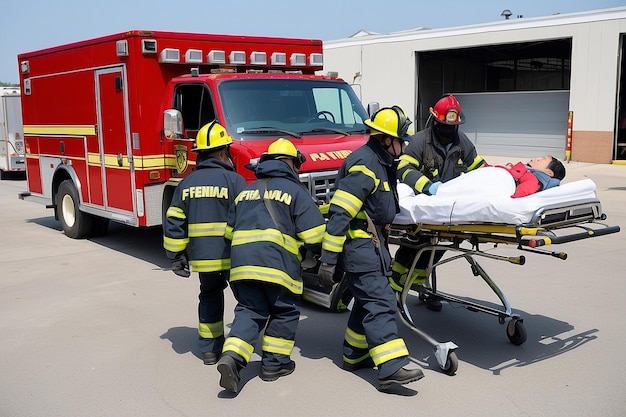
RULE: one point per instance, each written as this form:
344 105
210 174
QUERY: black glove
180 265
325 275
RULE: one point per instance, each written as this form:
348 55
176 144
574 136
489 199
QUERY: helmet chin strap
393 152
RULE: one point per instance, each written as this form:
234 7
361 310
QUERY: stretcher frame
554 224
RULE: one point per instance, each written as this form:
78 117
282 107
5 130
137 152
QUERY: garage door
517 124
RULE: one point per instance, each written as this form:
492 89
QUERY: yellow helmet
282 148
211 136
391 121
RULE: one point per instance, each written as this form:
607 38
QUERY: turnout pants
211 311
372 328
263 305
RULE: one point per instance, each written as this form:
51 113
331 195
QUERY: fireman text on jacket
276 195
204 192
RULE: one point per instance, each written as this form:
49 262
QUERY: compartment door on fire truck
114 138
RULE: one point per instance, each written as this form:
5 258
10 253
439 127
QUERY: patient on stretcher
537 175
484 196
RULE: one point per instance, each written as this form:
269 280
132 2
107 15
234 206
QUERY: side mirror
372 107
172 124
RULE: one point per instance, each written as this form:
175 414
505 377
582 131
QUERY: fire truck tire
75 223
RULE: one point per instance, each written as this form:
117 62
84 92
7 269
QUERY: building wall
388 68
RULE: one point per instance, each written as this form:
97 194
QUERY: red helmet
448 111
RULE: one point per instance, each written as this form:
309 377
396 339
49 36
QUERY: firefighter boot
401 377
229 371
272 373
210 358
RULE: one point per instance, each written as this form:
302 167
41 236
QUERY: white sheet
484 196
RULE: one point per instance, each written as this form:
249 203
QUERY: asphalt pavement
100 327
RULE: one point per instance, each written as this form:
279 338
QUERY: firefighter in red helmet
434 155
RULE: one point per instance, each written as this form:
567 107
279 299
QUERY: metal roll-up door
521 124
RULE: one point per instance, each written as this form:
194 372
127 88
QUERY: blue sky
36 24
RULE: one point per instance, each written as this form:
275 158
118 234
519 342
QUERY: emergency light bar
170 55
297 60
258 58
279 58
216 57
237 57
148 46
122 47
316 60
221 57
193 56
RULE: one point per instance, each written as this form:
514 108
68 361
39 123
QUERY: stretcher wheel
452 364
516 332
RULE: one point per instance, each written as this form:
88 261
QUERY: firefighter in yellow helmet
270 220
434 155
194 227
355 247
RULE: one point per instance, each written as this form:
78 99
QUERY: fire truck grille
321 185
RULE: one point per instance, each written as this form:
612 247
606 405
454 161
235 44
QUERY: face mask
445 132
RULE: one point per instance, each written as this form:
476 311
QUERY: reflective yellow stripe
265 274
81 130
408 160
333 243
242 237
421 183
388 351
175 245
211 330
228 232
359 234
476 163
355 339
210 265
206 229
277 345
313 235
346 201
365 170
239 346
176 213
357 360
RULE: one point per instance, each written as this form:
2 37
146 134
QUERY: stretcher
461 223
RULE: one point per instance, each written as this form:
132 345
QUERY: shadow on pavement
481 339
145 243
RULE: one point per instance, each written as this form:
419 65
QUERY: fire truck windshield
258 108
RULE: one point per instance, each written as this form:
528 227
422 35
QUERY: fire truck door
118 178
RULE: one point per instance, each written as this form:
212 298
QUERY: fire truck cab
109 122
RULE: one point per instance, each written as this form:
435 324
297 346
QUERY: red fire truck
109 122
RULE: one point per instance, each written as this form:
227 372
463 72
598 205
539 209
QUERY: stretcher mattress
484 196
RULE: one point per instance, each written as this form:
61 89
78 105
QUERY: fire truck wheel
75 223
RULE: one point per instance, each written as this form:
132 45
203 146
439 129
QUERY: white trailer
11 135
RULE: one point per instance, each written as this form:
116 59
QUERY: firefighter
271 219
194 231
434 155
355 242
